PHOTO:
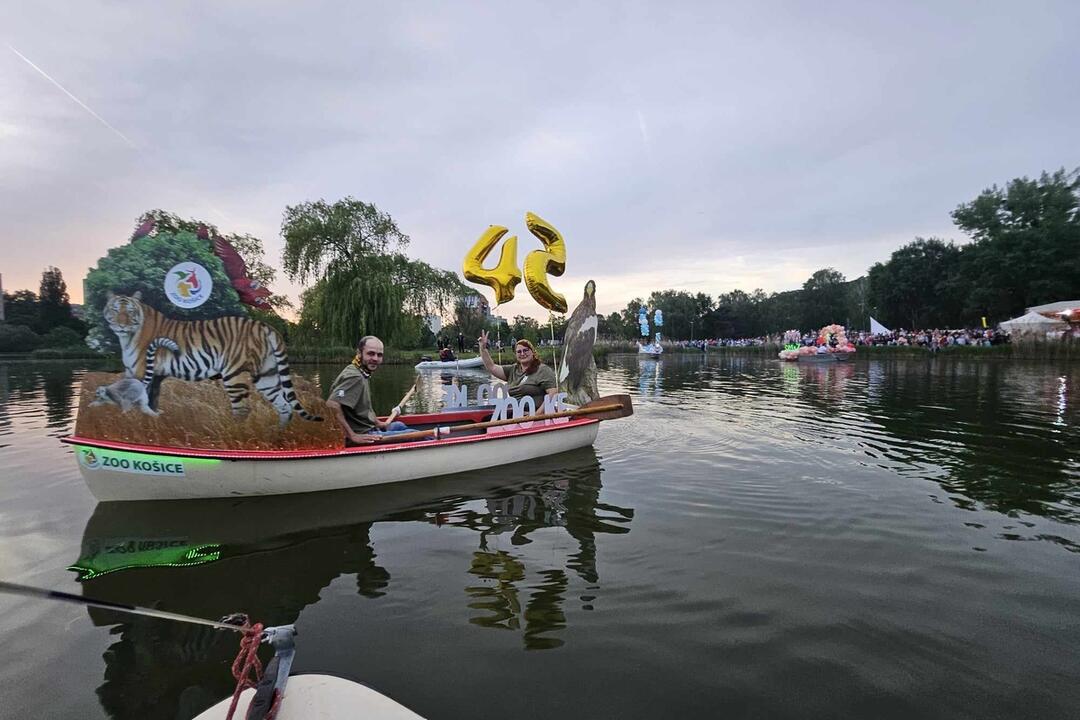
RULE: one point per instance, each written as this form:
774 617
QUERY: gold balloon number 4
505 276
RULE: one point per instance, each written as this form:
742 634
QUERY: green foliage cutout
142 265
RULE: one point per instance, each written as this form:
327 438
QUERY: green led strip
145 457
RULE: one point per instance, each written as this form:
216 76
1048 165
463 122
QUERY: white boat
827 357
275 693
459 364
126 471
653 349
320 696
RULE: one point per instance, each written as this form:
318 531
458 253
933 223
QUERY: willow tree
362 283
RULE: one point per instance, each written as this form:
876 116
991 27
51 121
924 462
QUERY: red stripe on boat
506 431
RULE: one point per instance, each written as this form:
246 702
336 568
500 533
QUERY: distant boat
827 357
654 349
459 364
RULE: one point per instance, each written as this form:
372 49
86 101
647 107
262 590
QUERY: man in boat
350 398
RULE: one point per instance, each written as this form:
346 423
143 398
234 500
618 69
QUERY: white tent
1056 308
1033 322
877 328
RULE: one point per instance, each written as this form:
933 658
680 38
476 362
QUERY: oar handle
508 421
397 408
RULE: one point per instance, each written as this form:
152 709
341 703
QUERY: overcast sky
697 146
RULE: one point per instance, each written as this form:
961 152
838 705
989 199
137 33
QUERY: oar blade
625 409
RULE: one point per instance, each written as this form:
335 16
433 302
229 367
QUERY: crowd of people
931 339
935 339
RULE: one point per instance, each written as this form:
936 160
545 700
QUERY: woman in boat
528 376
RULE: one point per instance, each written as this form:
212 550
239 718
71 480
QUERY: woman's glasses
523 351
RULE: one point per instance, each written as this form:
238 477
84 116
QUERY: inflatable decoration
504 276
830 345
173 305
538 264
652 346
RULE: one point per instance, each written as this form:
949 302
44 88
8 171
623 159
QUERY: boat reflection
825 386
272 557
650 379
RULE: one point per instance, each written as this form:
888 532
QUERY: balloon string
554 352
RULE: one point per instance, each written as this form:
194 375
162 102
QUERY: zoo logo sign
90 460
188 285
149 465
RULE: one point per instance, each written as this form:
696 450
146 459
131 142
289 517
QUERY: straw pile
198 415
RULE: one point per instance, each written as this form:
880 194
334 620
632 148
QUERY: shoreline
1035 350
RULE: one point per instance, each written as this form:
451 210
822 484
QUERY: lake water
880 539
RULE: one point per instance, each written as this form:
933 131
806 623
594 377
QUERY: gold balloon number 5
538 264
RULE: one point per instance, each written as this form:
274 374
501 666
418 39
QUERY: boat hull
825 358
117 471
321 696
475 362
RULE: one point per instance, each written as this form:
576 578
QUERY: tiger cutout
217 349
151 358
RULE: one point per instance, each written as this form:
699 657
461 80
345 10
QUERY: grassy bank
304 355
1049 350
1055 350
56 354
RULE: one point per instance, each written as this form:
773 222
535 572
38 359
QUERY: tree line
42 319
1024 251
351 256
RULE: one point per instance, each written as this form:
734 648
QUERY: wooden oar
34 592
401 404
611 407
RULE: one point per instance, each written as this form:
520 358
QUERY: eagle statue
577 376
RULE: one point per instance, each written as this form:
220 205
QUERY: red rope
247 668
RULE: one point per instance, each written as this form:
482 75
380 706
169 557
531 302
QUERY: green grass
300 354
1019 350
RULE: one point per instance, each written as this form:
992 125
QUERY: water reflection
984 423
272 557
5 400
49 387
569 499
993 435
823 386
650 383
